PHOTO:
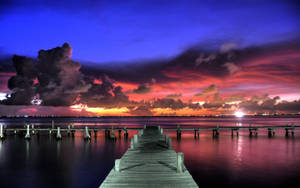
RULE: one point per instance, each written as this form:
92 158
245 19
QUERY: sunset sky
152 57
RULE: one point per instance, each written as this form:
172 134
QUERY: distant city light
239 114
4 96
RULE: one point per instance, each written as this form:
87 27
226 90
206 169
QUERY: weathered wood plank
150 163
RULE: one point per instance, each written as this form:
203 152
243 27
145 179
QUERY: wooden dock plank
151 163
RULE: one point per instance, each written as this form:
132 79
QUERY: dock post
161 131
68 131
27 136
125 132
120 132
32 129
250 132
216 131
52 125
141 132
1 132
131 144
232 132
256 132
117 165
95 133
58 135
237 132
166 138
286 132
112 135
4 131
273 133
73 130
195 133
135 139
108 133
170 143
178 132
269 132
87 135
180 162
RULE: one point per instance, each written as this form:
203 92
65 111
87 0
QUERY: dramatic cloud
232 68
142 89
168 103
22 85
169 86
210 90
105 95
141 111
216 102
235 98
174 96
60 80
12 110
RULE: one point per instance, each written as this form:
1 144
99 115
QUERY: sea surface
226 161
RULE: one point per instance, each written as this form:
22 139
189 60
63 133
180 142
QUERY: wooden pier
150 162
29 129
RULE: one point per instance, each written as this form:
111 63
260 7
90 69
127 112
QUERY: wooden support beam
180 162
58 135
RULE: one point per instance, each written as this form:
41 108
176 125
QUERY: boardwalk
150 162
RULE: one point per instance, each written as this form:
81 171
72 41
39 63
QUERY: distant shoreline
215 116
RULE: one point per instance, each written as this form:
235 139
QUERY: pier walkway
150 162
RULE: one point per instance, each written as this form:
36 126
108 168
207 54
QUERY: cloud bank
196 82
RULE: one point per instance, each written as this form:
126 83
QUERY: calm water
226 161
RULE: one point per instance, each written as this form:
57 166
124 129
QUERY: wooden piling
112 135
180 162
27 136
58 135
1 133
178 132
269 132
117 165
87 135
170 143
125 132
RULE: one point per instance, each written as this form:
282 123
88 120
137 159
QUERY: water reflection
27 149
58 149
222 161
1 143
87 147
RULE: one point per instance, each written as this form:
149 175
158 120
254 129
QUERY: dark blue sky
118 30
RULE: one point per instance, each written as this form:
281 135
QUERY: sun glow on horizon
239 114
100 110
